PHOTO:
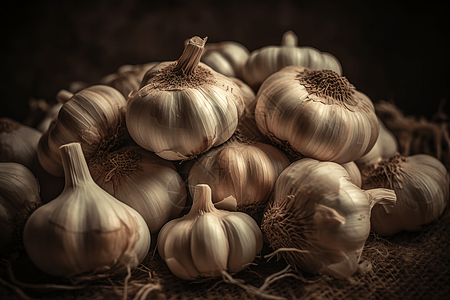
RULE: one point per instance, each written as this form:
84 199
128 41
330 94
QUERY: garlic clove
240 241
210 245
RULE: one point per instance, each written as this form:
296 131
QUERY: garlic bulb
127 78
207 242
316 113
85 230
385 147
144 181
19 197
320 217
227 58
184 108
93 116
267 60
421 183
247 171
19 143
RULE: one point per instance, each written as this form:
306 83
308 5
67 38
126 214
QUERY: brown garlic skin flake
184 108
316 113
421 183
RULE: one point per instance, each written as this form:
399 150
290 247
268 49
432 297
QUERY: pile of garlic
214 155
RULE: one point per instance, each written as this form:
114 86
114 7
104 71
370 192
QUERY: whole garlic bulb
385 147
320 217
247 171
144 181
421 183
316 113
184 108
267 60
84 230
19 144
127 78
227 58
207 242
94 116
19 197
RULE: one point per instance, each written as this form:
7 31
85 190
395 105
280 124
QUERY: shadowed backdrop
392 50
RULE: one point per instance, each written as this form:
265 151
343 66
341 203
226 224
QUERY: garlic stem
63 96
289 39
76 170
191 56
202 200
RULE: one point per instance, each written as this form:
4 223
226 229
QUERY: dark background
392 50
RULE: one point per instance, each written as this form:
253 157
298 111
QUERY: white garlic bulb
184 108
316 113
385 147
227 58
247 171
320 217
421 183
94 116
267 60
19 144
207 242
143 180
19 197
85 230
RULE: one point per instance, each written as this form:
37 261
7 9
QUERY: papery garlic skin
19 144
227 58
85 230
92 117
144 181
316 113
19 197
245 170
318 210
207 242
386 146
421 183
267 60
179 114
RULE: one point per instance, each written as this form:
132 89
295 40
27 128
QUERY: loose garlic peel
421 183
318 219
184 108
84 231
317 114
247 171
143 180
93 116
208 242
